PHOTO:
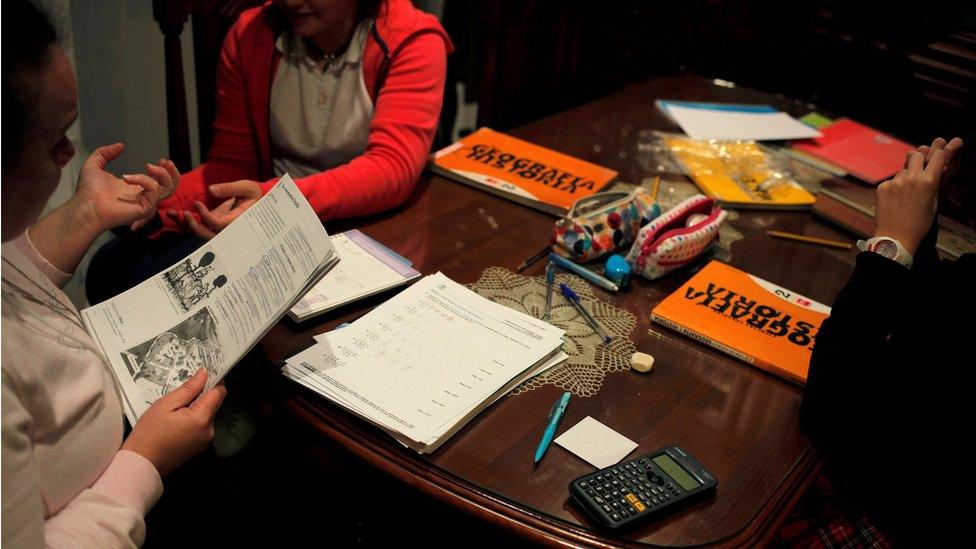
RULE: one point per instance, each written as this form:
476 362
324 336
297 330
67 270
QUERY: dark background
906 69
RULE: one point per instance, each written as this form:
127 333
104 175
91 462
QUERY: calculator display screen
677 472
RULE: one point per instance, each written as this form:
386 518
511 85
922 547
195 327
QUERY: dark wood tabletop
739 421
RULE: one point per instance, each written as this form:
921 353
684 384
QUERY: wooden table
740 422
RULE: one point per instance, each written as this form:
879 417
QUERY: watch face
886 248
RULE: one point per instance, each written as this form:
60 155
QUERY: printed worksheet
428 357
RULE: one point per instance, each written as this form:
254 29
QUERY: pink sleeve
400 134
109 514
232 155
55 275
112 510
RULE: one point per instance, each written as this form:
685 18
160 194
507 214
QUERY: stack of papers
423 364
728 121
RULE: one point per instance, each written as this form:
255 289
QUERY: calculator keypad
629 490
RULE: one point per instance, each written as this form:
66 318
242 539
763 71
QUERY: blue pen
550 279
555 415
564 263
575 300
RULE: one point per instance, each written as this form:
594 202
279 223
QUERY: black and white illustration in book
167 360
193 280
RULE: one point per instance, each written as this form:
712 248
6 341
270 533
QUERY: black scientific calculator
643 487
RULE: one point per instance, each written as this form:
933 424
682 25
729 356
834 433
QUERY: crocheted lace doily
589 359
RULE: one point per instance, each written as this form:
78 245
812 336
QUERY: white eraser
642 362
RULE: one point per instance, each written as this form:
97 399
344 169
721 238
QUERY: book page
420 361
209 309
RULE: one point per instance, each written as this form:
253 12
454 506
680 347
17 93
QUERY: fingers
950 149
103 155
936 165
196 228
953 146
171 168
243 188
914 162
138 224
160 174
147 183
225 206
208 404
186 393
209 219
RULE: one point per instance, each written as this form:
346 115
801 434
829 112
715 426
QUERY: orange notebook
538 177
747 317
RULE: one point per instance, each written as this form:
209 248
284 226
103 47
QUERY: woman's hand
167 178
240 195
104 201
906 203
950 148
178 425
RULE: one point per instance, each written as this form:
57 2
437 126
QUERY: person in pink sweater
343 95
68 477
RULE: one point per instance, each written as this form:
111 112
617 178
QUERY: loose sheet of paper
725 124
596 443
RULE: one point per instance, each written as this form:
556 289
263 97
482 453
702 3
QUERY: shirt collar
292 46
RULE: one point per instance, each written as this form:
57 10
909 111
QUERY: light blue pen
583 272
555 415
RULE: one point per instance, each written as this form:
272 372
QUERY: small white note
596 443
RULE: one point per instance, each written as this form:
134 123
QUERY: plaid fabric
823 518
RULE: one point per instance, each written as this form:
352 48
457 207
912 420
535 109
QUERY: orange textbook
747 317
535 176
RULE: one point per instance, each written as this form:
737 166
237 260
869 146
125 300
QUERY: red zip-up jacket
404 69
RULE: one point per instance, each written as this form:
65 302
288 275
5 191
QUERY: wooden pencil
811 240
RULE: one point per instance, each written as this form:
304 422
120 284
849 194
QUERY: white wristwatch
886 246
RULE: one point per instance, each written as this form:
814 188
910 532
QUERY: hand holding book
178 425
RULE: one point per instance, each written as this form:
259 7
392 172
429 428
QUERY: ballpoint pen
555 415
575 300
539 255
587 274
550 279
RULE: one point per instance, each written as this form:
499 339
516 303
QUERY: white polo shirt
319 117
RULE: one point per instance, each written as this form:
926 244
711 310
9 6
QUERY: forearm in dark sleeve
850 358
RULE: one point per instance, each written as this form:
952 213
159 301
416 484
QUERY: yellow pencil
657 186
811 239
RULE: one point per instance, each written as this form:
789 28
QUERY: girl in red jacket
344 95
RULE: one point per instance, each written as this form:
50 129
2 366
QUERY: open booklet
212 307
427 361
